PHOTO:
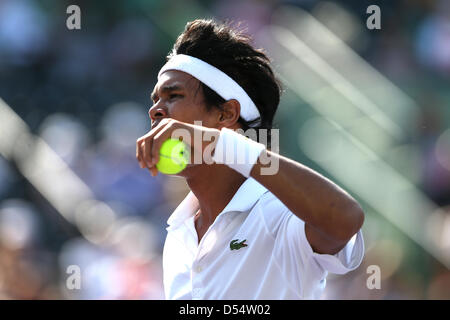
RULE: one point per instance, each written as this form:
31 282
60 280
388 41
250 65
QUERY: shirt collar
244 199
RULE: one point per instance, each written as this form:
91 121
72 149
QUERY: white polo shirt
277 263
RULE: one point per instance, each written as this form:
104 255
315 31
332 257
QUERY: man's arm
331 215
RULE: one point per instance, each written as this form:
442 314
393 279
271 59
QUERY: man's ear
229 115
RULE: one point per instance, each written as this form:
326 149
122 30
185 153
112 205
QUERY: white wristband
237 151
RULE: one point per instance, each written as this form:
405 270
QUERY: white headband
217 80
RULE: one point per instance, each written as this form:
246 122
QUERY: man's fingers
137 152
146 152
141 153
153 171
147 147
150 140
158 140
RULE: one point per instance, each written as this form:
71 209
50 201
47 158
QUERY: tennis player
242 232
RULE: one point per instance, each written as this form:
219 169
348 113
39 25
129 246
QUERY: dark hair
231 52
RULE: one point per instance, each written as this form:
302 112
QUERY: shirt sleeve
304 268
346 260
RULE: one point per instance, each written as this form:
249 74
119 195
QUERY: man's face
179 96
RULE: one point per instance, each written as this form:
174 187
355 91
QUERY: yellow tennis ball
173 157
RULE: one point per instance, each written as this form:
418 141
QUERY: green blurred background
370 109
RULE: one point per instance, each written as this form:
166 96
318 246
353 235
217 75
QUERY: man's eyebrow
166 89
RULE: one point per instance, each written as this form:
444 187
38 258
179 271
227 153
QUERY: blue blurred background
370 109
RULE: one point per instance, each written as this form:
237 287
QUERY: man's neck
214 186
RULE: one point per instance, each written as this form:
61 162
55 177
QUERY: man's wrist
237 151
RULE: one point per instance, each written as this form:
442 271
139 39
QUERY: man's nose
157 112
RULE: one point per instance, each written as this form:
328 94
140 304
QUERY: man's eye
174 95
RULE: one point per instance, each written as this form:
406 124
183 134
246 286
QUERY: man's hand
195 136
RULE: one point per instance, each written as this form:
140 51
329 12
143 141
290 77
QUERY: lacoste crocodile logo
235 245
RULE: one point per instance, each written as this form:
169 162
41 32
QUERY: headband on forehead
217 80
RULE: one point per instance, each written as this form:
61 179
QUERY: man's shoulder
272 211
269 202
